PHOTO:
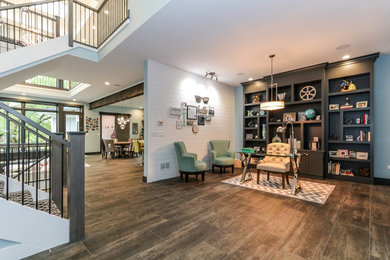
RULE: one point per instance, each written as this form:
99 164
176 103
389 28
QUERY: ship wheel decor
307 93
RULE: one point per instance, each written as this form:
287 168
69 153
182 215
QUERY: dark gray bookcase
326 79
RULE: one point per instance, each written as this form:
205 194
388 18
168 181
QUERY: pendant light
272 104
122 120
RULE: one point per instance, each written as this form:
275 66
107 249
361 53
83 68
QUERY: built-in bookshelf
349 133
331 128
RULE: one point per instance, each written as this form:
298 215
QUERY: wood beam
125 94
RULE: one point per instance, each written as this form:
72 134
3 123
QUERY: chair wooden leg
181 175
196 176
220 170
233 169
287 179
283 181
186 177
212 168
258 176
203 173
267 176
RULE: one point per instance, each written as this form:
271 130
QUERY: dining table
122 145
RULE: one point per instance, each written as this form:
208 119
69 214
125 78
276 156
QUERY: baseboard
145 179
381 181
92 153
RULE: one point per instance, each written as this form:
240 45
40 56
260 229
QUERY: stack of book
346 106
334 168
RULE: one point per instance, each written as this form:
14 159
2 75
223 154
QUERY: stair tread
43 205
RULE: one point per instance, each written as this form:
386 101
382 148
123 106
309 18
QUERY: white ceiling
234 38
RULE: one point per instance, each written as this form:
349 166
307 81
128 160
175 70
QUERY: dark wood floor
128 219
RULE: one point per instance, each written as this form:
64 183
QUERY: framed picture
175 111
289 116
134 130
179 124
249 136
201 120
211 111
362 155
361 104
334 107
192 112
190 123
332 153
342 153
301 116
352 154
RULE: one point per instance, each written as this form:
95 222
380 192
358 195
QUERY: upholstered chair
277 160
188 163
222 157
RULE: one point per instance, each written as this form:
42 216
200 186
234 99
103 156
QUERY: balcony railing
30 23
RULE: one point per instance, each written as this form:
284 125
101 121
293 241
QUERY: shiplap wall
166 86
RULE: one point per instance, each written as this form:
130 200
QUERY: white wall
166 86
92 138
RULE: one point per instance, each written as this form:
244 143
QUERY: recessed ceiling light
24 94
106 11
107 83
250 79
140 107
74 99
346 57
94 27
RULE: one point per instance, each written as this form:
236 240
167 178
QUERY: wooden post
57 170
70 23
76 185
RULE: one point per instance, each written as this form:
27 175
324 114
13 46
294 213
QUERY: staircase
41 186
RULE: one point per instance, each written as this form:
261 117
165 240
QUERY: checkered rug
311 191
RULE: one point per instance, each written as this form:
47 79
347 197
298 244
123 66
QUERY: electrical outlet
167 165
162 166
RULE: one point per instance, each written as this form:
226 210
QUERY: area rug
311 191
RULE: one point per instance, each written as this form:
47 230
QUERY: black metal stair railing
26 150
30 23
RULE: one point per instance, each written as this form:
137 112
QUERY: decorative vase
264 131
282 96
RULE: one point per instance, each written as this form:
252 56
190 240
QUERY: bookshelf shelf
358 91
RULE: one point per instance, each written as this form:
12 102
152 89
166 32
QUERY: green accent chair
188 163
222 156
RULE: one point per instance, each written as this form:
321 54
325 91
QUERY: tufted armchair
188 163
222 156
276 161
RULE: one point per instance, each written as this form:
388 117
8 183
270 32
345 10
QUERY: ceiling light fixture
122 119
272 104
346 57
107 83
212 75
250 79
106 12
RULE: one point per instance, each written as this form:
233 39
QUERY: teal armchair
188 163
222 157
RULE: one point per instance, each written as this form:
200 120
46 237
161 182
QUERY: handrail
32 123
27 4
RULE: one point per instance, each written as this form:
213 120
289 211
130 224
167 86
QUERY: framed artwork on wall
192 112
134 128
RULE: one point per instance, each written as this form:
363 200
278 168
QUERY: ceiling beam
122 95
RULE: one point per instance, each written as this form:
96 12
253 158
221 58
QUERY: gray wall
238 118
382 117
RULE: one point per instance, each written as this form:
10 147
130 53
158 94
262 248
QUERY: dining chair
110 148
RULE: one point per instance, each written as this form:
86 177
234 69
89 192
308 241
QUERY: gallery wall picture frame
175 111
179 124
201 120
134 128
192 112
211 111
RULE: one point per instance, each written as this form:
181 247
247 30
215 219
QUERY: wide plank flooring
128 219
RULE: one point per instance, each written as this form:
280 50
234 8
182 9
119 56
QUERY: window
47 120
72 109
41 106
47 81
